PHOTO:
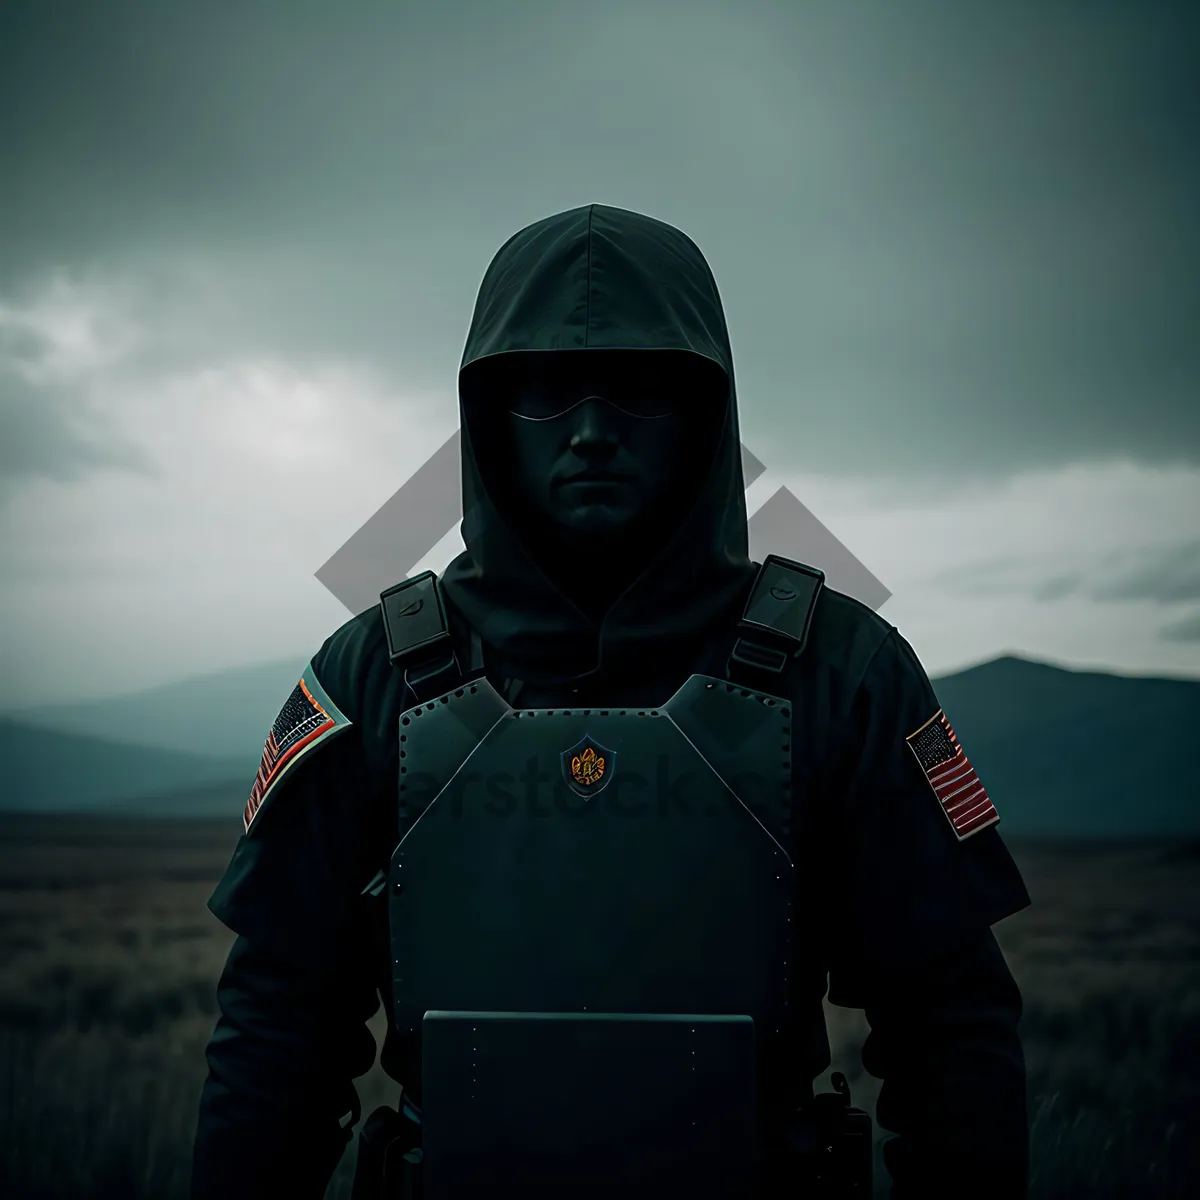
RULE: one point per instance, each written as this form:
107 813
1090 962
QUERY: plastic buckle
419 676
418 633
756 656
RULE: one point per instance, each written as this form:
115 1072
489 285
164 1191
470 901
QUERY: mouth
597 477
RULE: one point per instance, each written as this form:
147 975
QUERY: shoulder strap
419 637
775 622
773 629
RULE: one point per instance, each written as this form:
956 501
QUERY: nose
592 427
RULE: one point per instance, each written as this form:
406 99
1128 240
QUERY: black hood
599 278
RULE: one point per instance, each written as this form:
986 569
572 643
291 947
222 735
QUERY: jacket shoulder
353 659
845 636
348 696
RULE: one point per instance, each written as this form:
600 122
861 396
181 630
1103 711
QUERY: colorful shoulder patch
307 719
958 789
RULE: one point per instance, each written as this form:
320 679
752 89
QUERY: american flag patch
958 789
307 718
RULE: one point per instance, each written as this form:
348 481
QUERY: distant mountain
223 714
43 770
1080 752
1062 752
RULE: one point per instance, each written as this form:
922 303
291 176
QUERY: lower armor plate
594 860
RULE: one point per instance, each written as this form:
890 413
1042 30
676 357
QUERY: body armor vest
605 860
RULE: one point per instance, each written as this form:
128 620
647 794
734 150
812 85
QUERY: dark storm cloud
1185 630
955 239
1008 575
1163 575
48 426
1166 577
43 434
1058 588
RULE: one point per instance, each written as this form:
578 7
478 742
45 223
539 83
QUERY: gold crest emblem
587 766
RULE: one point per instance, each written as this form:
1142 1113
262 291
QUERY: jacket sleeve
278 1105
297 988
928 877
944 1041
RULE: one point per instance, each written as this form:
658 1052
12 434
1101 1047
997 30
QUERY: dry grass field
108 964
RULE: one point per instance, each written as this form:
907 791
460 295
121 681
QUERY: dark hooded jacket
894 911
599 279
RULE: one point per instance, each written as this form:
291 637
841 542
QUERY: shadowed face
601 444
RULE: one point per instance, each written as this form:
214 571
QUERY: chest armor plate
594 860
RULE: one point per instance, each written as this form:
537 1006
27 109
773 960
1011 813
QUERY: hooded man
606 588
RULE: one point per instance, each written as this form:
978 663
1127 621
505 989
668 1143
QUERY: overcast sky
240 243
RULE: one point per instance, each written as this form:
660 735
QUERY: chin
597 519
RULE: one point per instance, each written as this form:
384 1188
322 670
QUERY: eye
534 400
